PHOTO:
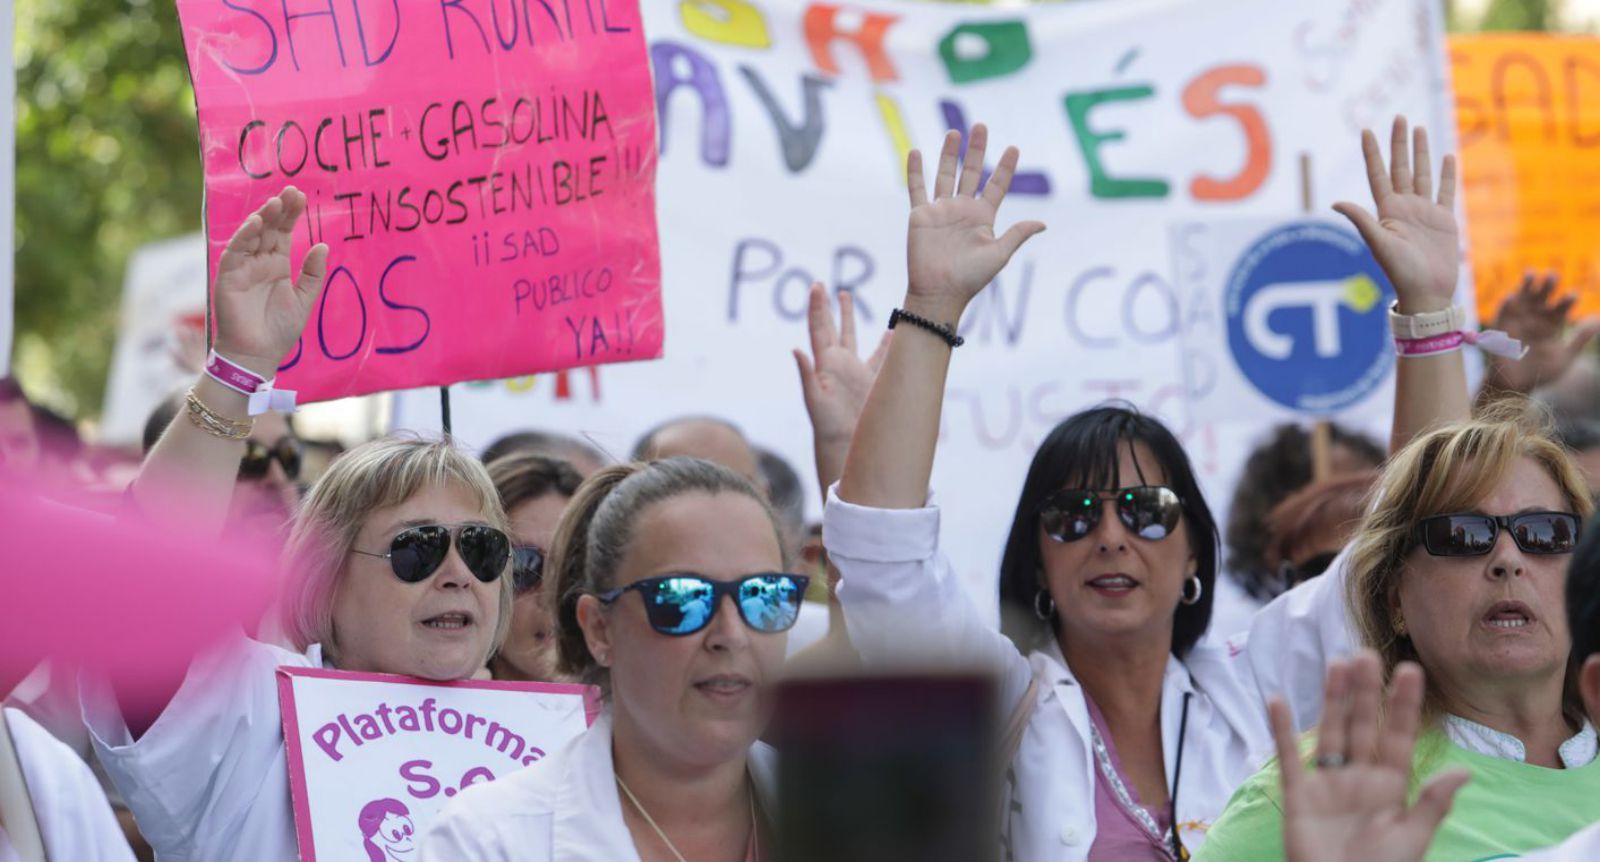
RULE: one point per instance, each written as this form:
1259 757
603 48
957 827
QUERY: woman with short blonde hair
376 475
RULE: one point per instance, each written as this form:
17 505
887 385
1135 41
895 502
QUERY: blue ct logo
1307 317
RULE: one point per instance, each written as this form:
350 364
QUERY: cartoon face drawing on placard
386 831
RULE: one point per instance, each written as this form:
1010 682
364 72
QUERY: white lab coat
899 592
209 780
1582 847
74 818
564 808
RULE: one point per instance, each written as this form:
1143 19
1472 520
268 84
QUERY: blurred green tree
107 160
1520 15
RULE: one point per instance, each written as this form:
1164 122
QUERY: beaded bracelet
943 330
214 423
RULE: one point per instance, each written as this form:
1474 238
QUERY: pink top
1119 837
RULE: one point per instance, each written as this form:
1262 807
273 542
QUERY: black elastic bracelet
943 330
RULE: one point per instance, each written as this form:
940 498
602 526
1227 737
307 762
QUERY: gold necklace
668 841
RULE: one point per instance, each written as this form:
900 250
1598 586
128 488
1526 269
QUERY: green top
1508 808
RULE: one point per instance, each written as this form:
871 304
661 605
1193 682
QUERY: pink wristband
1430 346
224 371
263 397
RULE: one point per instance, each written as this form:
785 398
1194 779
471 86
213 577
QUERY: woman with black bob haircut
1085 449
1128 730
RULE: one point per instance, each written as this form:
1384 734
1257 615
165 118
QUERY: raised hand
1354 807
835 381
951 248
834 377
261 308
1414 236
1538 318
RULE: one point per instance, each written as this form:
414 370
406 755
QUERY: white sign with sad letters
373 758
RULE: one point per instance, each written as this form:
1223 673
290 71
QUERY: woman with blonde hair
397 562
1461 568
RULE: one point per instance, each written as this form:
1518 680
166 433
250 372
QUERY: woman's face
527 648
700 699
1496 619
1112 583
439 628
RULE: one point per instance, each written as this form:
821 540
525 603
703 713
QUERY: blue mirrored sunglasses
682 604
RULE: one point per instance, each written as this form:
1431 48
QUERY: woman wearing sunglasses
1462 568
535 491
1130 734
670 592
396 563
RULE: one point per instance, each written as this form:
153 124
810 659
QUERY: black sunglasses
1469 534
417 552
683 604
527 567
1149 511
258 458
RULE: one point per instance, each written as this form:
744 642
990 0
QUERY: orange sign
1528 111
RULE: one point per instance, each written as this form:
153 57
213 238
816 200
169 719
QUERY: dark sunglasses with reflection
415 553
1473 534
1148 511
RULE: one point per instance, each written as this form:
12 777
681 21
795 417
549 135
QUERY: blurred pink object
118 594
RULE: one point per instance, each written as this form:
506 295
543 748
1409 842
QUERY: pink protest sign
373 758
483 173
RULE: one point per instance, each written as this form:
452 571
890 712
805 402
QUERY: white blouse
74 818
898 590
564 808
209 780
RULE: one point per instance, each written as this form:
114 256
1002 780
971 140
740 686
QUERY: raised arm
1416 240
952 253
260 309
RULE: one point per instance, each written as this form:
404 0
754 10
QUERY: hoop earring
1045 610
1199 590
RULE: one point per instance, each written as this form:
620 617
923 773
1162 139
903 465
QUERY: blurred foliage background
107 161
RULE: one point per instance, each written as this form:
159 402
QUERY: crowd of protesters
1385 652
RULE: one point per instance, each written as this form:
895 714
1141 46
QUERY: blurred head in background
707 438
1281 465
268 489
578 453
535 491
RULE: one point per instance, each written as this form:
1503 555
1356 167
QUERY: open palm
1359 811
1537 317
1414 236
261 309
951 247
835 379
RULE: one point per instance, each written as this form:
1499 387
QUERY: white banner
161 336
373 758
784 127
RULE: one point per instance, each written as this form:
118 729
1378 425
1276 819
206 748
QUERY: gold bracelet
214 423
